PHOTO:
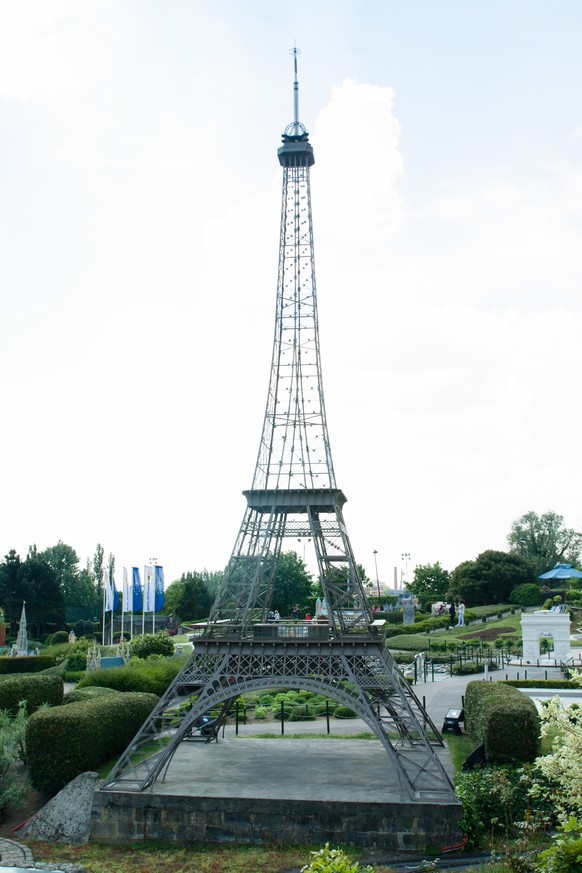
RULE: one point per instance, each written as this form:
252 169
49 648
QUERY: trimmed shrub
527 594
28 664
68 740
261 712
426 626
77 662
504 720
151 678
301 712
59 637
74 676
81 695
34 689
344 712
541 683
151 644
468 667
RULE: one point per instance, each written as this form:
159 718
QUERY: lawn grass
193 858
460 747
421 642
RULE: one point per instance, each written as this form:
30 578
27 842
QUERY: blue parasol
562 571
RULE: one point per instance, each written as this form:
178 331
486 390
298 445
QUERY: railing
281 630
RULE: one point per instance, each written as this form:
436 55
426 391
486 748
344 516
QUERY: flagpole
123 599
104 604
153 562
144 602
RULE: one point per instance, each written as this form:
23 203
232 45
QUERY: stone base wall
122 817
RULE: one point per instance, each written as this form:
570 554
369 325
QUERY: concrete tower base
261 791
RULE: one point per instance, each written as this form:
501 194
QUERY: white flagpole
143 603
104 604
123 592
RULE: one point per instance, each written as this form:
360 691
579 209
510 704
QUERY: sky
139 221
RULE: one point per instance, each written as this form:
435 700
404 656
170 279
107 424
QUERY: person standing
461 620
452 613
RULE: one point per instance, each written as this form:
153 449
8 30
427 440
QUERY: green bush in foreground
504 720
151 677
151 644
34 690
565 853
28 664
328 860
12 730
493 798
65 741
80 695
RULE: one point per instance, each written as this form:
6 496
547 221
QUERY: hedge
81 695
504 720
424 626
152 677
25 664
34 689
65 741
542 683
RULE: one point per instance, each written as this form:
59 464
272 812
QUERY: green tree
98 565
212 579
293 584
527 595
490 578
35 582
430 582
544 541
188 597
77 585
172 597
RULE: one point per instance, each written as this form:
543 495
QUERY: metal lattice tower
293 496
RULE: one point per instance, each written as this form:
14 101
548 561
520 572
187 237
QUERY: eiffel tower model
293 496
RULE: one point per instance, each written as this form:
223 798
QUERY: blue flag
159 589
137 593
115 593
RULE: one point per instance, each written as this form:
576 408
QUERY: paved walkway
14 854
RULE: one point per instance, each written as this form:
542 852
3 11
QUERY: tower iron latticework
293 496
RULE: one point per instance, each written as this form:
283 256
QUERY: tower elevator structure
294 496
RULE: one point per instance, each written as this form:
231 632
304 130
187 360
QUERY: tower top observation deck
296 150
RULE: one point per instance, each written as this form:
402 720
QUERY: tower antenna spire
295 51
295 132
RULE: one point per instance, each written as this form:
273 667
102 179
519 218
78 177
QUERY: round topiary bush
77 662
261 712
345 712
151 644
302 713
59 637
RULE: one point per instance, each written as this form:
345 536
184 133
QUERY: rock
66 818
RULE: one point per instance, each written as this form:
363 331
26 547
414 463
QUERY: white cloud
141 279
30 61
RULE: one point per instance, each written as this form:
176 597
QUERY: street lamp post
376 563
405 558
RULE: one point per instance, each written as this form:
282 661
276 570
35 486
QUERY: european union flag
159 589
137 599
